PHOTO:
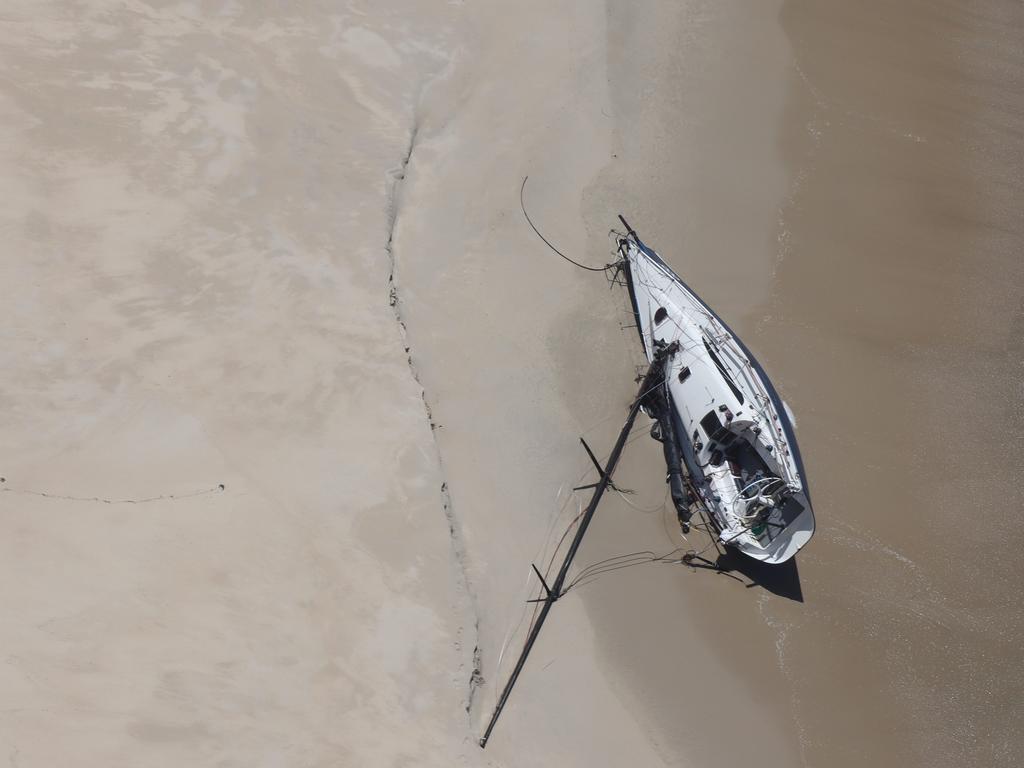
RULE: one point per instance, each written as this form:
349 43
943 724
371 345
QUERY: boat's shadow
782 580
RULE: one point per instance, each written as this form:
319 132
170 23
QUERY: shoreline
706 184
442 280
293 392
568 371
904 256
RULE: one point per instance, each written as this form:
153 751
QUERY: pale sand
197 209
202 213
195 292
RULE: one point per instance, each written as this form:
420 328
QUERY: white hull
734 432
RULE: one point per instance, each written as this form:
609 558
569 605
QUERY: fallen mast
551 593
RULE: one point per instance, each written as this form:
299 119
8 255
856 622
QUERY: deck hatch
714 429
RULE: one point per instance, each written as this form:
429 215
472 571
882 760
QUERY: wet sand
282 253
891 324
902 270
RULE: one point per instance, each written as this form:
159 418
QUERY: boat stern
780 549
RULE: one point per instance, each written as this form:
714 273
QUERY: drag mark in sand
397 177
102 500
475 675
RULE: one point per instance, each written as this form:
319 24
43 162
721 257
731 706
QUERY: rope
608 565
522 204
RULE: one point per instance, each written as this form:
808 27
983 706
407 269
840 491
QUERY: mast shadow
782 580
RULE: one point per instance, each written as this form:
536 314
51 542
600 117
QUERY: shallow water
876 271
897 306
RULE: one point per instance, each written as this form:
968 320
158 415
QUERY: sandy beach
292 394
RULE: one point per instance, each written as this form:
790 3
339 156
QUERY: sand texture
291 395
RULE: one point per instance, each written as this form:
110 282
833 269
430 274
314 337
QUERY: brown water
866 243
898 308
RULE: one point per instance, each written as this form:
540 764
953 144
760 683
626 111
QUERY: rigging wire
549 535
636 433
593 572
639 432
522 204
644 510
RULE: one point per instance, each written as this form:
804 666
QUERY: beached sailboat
719 415
730 451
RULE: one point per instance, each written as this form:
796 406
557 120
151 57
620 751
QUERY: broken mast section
652 380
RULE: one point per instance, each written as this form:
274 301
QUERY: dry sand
199 208
195 293
291 394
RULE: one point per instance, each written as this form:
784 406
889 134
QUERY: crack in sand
475 675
